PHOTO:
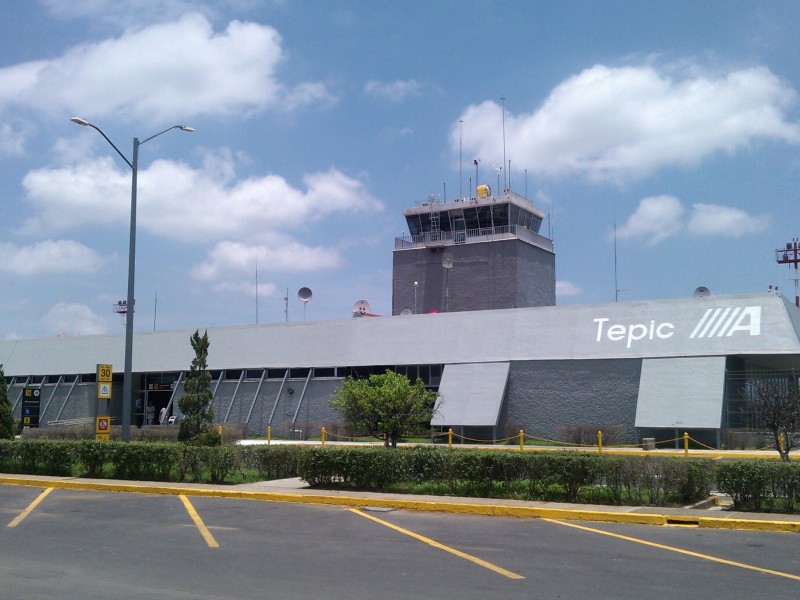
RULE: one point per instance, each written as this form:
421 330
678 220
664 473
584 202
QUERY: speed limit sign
105 374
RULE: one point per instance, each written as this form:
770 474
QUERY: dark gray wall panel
543 395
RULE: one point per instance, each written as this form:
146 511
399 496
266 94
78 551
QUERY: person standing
151 412
162 415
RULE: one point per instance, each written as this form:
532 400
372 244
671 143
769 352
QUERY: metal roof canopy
681 393
471 394
643 329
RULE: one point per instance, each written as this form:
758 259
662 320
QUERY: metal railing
481 234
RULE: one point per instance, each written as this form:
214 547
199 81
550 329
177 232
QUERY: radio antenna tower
791 255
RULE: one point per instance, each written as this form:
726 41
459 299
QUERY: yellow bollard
219 430
450 438
323 437
781 442
269 434
600 442
685 445
521 439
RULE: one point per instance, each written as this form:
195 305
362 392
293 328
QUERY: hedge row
156 461
565 475
761 485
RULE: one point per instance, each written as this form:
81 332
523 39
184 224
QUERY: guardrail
450 238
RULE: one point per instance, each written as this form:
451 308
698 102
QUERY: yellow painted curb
498 510
749 524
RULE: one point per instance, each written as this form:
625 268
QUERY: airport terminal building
501 360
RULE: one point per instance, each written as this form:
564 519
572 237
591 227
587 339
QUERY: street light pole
127 384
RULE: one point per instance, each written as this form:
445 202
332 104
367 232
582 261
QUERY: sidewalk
294 490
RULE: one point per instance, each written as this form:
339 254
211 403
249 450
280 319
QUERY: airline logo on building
715 322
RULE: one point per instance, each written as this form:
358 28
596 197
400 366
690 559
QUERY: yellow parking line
18 519
436 544
212 543
678 550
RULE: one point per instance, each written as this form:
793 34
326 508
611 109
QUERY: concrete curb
791 525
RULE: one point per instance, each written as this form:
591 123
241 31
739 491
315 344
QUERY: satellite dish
447 261
702 292
362 307
405 312
304 294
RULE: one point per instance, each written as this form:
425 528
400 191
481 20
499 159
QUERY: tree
776 408
6 412
385 406
195 404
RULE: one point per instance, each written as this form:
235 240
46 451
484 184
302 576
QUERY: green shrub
220 461
7 454
786 484
576 471
43 457
91 456
272 462
688 480
150 461
747 482
189 463
423 463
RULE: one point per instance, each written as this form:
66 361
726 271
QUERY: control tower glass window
471 218
515 210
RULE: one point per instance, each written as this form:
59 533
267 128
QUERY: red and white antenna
791 255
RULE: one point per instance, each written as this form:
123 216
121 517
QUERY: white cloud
657 218
12 142
122 12
49 256
395 91
566 289
660 217
179 202
626 123
265 290
708 219
246 221
73 319
233 259
169 71
89 193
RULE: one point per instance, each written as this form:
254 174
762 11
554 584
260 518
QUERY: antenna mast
256 290
505 177
616 285
460 156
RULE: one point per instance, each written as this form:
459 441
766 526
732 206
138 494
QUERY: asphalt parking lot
84 544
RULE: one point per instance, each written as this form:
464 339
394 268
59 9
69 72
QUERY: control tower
477 253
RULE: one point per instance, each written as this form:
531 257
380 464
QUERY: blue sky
318 122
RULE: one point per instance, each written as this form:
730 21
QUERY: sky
661 139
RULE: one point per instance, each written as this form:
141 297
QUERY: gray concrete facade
507 273
572 365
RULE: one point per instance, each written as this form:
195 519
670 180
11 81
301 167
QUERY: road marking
18 519
678 550
212 543
436 544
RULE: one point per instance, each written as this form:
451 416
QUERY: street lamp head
80 121
185 128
